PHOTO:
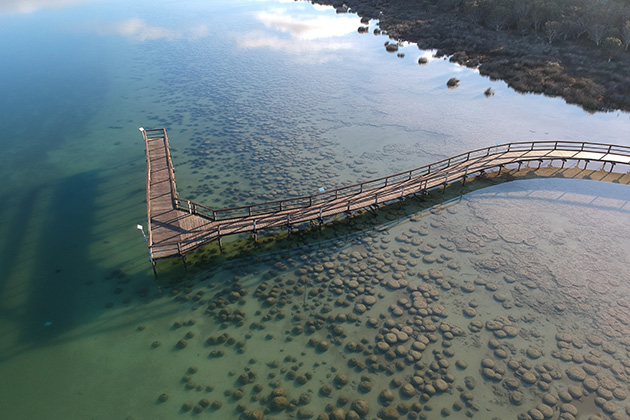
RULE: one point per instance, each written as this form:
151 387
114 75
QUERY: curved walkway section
178 226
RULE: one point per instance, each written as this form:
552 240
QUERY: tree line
604 23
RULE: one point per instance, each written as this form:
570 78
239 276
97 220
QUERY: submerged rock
279 403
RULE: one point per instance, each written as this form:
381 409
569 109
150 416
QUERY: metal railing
423 174
146 148
153 134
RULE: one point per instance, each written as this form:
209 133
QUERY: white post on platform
141 229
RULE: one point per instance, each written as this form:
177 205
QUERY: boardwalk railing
178 226
451 169
146 148
161 133
157 133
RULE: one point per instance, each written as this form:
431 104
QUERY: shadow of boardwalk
46 287
278 244
15 219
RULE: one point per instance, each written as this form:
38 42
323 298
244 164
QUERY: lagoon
269 99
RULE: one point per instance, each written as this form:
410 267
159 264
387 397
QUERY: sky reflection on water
34 6
255 95
308 37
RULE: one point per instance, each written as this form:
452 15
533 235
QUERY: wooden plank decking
178 226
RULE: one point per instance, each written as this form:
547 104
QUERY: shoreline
575 71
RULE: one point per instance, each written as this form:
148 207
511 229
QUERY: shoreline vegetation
575 49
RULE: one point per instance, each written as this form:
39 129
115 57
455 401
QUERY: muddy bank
574 70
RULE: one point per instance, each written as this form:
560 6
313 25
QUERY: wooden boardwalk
177 226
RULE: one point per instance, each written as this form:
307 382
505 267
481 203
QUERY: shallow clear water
261 100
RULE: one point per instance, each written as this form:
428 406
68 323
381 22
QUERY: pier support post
320 219
289 225
220 239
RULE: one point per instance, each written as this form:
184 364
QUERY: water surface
265 100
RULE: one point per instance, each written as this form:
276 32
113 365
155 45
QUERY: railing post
509 145
250 210
214 215
376 199
555 145
609 148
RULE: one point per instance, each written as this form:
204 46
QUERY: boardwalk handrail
146 146
161 132
420 172
157 133
182 226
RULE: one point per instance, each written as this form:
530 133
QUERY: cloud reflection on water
309 29
31 6
140 30
308 37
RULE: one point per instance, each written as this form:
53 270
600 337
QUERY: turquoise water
261 100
